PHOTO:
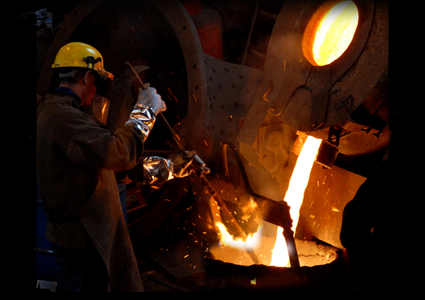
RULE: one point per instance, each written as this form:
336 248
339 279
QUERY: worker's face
88 81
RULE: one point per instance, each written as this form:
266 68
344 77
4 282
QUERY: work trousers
80 270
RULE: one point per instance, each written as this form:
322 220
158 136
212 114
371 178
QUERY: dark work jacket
76 160
71 149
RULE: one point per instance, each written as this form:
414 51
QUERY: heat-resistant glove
181 164
158 169
143 119
150 98
148 105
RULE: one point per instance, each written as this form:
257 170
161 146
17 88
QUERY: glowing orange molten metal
330 31
294 196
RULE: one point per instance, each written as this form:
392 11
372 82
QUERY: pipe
254 17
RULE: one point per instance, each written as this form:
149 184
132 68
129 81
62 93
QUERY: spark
335 209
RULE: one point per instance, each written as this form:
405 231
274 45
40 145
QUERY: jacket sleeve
91 144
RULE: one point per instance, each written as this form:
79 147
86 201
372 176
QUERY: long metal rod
228 215
160 115
200 172
170 130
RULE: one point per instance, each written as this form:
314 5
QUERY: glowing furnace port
329 32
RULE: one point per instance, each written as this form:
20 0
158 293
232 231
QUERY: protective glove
150 98
181 163
149 104
158 169
142 119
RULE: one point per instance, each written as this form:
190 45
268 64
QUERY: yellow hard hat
80 55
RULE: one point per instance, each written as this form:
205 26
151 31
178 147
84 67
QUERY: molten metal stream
294 197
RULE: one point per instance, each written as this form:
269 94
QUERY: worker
374 231
366 224
361 227
76 161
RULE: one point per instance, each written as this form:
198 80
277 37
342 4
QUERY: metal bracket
91 60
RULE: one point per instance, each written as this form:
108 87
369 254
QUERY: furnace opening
329 32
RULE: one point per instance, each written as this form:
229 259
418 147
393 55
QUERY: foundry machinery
262 106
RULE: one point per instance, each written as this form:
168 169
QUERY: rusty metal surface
327 193
230 92
310 98
362 79
315 90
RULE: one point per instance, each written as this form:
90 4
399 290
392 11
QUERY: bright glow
227 239
294 196
280 257
335 32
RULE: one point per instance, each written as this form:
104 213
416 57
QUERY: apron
103 219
